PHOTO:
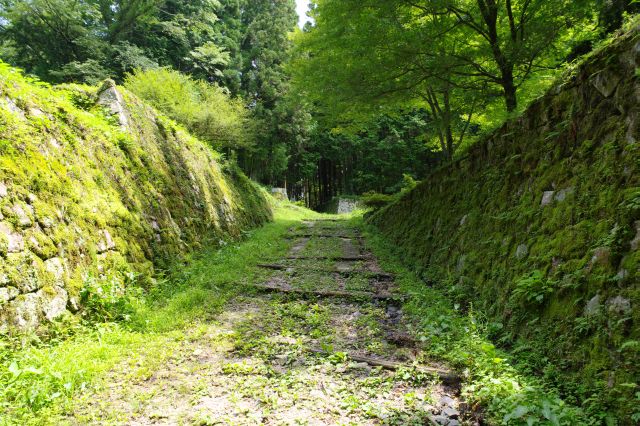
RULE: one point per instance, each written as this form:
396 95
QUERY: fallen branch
338 258
330 293
380 276
447 377
275 267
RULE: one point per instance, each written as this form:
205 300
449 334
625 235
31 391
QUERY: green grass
39 377
42 379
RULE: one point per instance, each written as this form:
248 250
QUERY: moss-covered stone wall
538 228
96 188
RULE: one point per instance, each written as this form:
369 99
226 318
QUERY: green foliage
204 109
374 200
532 288
110 298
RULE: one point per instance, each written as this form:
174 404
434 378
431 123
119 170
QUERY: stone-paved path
323 342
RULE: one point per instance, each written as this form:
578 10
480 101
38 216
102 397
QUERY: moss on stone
578 151
107 199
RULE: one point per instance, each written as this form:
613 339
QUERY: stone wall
538 228
97 189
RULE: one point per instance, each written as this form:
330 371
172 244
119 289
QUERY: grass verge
40 377
491 380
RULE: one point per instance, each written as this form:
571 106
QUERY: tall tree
509 39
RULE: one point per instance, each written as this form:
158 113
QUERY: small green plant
532 288
110 298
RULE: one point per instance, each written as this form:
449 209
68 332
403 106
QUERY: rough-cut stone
3 190
56 268
464 219
106 242
563 194
23 219
110 97
618 305
635 243
593 306
547 198
601 256
280 193
522 251
11 106
24 311
15 241
606 82
621 275
7 294
346 206
46 222
53 302
73 304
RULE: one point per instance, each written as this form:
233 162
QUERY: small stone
464 219
447 401
3 190
522 251
54 143
619 305
110 97
360 366
46 222
621 275
441 420
13 107
281 359
73 304
36 112
450 412
155 226
24 310
32 198
547 198
454 422
593 306
280 194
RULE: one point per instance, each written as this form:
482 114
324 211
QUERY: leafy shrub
110 298
204 109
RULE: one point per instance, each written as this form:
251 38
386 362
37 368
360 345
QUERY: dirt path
322 342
